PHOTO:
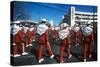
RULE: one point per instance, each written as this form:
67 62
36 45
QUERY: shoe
77 44
84 60
27 45
61 61
30 44
17 55
90 56
52 56
41 60
13 44
24 53
33 39
70 56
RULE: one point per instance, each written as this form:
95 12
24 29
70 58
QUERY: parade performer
43 41
17 39
87 32
76 33
25 39
31 35
64 35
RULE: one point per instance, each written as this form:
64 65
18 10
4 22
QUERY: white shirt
87 31
15 29
76 29
41 29
63 33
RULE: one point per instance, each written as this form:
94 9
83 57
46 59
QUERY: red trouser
43 41
26 40
87 49
16 49
62 48
61 52
17 39
24 44
63 44
40 49
87 46
76 36
31 37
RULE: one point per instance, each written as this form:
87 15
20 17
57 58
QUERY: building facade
82 17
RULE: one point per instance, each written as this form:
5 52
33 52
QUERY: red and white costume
31 35
17 41
76 33
87 40
25 39
64 36
42 30
54 33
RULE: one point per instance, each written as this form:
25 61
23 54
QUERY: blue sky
53 11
